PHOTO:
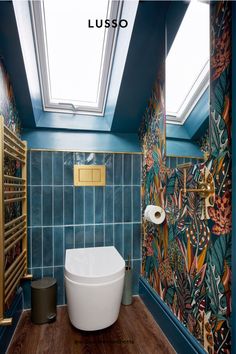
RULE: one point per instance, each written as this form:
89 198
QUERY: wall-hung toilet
94 279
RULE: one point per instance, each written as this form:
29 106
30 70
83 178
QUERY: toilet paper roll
154 214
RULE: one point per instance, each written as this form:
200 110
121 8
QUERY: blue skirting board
6 332
180 338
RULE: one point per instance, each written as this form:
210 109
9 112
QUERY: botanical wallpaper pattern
187 259
11 167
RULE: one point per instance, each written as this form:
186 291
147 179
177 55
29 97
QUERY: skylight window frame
199 86
191 99
40 39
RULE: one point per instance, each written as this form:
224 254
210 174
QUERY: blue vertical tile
136 204
36 169
26 286
127 204
137 241
29 206
68 205
118 228
109 169
59 275
37 273
47 246
99 235
137 159
118 204
79 158
79 236
89 205
172 162
47 167
58 168
89 236
90 158
109 235
36 206
99 159
29 250
36 247
69 237
28 166
68 168
136 275
99 205
127 169
118 169
58 206
127 241
109 204
58 246
47 206
48 272
79 205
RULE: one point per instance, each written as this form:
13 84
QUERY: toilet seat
93 265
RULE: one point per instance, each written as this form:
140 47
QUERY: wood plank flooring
135 332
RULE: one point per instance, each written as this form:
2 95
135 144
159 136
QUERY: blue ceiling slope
146 54
82 141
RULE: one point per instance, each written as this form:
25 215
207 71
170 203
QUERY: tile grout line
73 163
103 195
132 231
71 225
53 241
63 230
31 245
122 203
94 216
42 200
84 203
113 202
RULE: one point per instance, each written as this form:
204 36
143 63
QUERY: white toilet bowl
94 280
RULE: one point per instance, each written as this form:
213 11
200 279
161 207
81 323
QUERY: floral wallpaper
187 259
7 101
11 167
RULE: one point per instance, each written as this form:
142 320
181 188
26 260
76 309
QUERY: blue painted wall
62 216
15 310
83 141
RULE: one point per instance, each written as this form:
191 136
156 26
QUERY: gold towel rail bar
14 137
15 240
14 232
14 150
13 178
14 228
12 222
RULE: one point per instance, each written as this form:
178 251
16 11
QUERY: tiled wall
62 216
174 161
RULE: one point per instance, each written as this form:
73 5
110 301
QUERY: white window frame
191 99
38 27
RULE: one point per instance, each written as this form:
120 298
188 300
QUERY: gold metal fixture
206 189
89 175
12 189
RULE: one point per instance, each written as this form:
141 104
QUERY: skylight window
187 63
74 59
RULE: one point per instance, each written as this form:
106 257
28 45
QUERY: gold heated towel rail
12 189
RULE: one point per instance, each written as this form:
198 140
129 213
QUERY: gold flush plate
89 175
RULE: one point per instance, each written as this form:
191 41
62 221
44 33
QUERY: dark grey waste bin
43 300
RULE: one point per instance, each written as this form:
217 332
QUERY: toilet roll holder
206 190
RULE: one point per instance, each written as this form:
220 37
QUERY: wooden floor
135 332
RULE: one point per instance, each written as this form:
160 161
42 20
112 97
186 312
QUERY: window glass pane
74 50
188 56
